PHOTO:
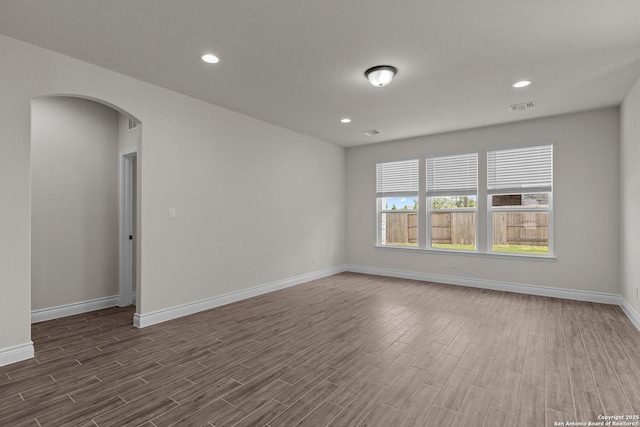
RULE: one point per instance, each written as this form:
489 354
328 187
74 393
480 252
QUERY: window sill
496 255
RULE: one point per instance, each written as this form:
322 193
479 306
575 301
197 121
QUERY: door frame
126 267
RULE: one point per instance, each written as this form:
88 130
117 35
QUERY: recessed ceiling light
522 83
345 120
210 59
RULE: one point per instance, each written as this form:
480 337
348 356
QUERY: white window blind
528 169
452 175
397 178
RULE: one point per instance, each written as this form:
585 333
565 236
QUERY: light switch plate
172 213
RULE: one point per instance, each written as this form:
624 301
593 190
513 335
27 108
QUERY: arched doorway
80 196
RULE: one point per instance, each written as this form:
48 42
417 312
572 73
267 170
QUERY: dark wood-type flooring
348 350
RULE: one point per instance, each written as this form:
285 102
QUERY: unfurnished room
319 213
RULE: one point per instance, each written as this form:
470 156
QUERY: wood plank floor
348 350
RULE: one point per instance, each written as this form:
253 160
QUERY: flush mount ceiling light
209 58
522 83
381 75
345 120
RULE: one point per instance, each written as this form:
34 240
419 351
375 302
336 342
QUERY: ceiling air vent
524 106
132 124
371 132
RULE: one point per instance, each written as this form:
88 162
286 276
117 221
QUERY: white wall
247 193
586 159
127 139
630 197
74 201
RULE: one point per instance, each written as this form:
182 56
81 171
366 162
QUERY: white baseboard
630 312
74 308
25 351
599 297
16 353
147 319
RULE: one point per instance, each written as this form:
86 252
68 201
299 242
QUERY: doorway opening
128 227
84 192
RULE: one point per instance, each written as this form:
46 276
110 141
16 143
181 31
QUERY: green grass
522 249
516 249
454 247
519 249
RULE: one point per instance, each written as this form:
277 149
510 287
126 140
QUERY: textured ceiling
300 63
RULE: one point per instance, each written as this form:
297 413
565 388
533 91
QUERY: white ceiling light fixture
380 75
522 83
345 120
210 59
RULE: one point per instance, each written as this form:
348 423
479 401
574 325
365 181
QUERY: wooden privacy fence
401 228
459 228
453 228
521 228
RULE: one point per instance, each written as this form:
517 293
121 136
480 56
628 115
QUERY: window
452 201
519 189
397 199
432 203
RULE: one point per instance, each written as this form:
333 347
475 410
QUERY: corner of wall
629 203
630 312
16 353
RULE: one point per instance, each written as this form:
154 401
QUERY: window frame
531 189
394 194
484 213
466 191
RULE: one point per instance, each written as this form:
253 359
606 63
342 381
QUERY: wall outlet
454 263
315 259
254 271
